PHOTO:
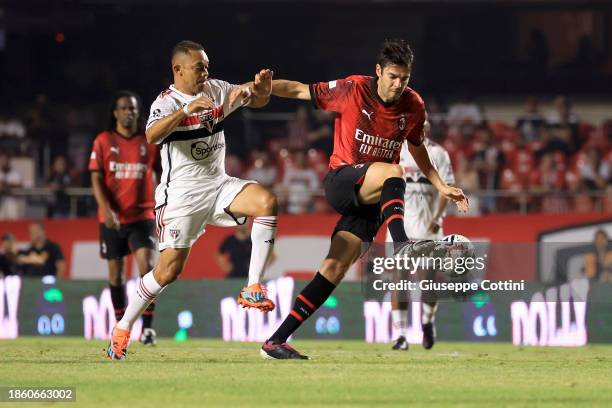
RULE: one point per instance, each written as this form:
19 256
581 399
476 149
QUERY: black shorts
130 237
341 186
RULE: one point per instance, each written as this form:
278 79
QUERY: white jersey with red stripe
421 199
194 153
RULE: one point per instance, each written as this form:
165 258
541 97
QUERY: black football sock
392 207
147 316
307 302
118 298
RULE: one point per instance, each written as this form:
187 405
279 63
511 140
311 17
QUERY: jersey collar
181 93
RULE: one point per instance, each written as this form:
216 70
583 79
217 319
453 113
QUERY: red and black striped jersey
128 166
367 129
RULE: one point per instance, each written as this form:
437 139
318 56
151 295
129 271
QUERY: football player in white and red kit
187 121
122 166
374 116
423 215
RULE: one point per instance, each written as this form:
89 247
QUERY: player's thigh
375 177
141 236
344 250
364 225
253 200
226 194
341 185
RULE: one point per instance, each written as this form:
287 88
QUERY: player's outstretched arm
436 221
164 126
421 157
254 94
101 195
290 89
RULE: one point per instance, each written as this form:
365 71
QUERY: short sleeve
96 159
445 169
416 122
224 89
331 96
163 106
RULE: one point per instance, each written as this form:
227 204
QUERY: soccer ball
458 248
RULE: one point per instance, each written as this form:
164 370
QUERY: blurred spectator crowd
546 161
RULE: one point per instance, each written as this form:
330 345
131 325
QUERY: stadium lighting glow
480 299
331 302
181 335
185 319
53 295
49 280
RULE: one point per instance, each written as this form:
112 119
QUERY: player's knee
394 170
268 204
115 279
115 276
144 267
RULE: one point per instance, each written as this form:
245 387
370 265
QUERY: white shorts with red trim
183 217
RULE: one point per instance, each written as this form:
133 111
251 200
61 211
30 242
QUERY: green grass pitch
211 373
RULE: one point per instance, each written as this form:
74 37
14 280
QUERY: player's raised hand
262 85
457 195
240 95
200 104
433 226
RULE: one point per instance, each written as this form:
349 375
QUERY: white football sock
146 291
429 313
400 321
262 238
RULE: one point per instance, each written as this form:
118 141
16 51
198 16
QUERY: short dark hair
112 121
395 51
185 46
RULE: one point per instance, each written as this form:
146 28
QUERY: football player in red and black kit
123 167
374 116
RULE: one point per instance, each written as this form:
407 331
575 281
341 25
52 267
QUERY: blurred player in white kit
424 211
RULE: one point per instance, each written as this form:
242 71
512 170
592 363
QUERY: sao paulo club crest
175 233
207 119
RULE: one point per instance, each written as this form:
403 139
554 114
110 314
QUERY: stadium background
482 67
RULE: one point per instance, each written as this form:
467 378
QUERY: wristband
186 110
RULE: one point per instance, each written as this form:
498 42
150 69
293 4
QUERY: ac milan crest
402 123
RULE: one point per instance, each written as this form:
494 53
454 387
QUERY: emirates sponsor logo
123 170
376 146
